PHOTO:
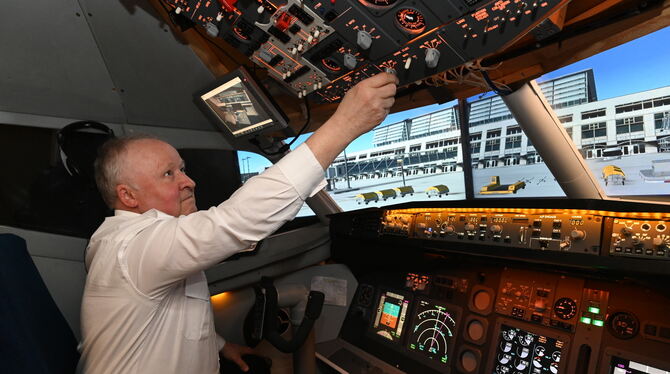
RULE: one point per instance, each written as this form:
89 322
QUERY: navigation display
622 366
390 316
520 351
432 331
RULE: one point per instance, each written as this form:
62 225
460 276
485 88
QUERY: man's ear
126 196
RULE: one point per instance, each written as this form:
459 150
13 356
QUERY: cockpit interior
509 217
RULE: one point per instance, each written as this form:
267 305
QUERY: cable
286 147
496 89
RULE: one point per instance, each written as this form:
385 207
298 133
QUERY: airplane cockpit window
617 115
504 161
412 156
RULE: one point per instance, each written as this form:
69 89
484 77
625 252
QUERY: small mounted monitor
241 108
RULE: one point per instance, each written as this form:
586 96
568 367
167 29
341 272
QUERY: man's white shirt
146 306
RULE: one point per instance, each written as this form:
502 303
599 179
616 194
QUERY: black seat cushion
35 338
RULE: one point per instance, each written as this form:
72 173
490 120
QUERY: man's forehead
152 150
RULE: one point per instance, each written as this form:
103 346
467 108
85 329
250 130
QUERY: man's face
155 171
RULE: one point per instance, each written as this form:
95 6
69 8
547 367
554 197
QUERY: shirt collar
152 212
121 212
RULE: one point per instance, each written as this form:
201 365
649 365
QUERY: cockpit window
620 121
615 106
412 156
504 161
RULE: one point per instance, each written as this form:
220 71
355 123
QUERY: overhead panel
322 48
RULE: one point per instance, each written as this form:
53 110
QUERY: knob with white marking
432 57
364 39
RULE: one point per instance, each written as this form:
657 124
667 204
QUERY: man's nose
186 182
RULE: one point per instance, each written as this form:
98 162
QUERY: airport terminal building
621 126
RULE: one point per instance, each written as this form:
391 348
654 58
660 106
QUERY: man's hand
363 107
366 105
234 352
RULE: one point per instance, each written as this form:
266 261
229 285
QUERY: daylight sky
639 65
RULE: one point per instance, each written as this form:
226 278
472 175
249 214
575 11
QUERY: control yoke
270 329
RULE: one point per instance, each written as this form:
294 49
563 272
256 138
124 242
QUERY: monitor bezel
535 329
458 331
256 91
611 352
371 333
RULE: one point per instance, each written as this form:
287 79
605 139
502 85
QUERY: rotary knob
626 231
659 242
496 229
432 57
469 227
577 234
449 229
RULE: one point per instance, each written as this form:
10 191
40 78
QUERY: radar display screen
390 316
620 365
432 332
523 352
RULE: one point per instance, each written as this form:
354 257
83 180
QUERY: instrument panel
505 287
556 230
591 326
323 47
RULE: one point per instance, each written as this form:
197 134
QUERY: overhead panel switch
350 61
432 57
364 39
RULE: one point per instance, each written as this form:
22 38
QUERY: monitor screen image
432 332
236 109
520 351
390 316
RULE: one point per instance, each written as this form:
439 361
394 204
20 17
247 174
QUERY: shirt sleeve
173 248
220 342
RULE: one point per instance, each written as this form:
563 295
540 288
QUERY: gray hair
109 162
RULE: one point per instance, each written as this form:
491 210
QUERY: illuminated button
599 323
594 310
618 249
585 320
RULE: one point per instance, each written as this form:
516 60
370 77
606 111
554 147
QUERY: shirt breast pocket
198 311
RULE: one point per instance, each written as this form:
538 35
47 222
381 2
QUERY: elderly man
146 306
